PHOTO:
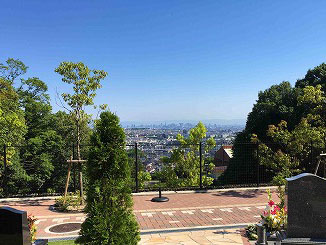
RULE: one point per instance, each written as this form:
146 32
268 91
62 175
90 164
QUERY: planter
268 238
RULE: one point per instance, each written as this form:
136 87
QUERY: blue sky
171 59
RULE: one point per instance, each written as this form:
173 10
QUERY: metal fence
153 166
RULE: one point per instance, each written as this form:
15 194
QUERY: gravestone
306 201
14 227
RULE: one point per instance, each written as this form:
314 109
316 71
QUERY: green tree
110 219
299 114
85 82
12 123
314 77
183 167
41 140
63 123
36 104
294 153
12 69
279 102
12 131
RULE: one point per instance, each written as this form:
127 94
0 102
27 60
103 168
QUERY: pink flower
271 203
273 212
265 213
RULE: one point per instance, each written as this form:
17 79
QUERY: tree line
284 133
38 141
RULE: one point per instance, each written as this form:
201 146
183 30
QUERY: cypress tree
110 219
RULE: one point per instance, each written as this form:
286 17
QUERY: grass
62 243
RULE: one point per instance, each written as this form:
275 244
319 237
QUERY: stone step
303 241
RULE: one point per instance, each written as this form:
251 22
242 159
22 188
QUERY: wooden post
70 162
67 181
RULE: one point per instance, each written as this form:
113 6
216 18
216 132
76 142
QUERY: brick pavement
183 211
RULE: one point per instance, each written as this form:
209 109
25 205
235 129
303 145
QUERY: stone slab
303 241
14 227
306 206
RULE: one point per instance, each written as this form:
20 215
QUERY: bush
73 201
110 219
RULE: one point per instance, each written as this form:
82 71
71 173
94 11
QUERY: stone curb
169 230
15 199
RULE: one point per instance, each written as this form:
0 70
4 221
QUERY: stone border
62 238
47 229
151 193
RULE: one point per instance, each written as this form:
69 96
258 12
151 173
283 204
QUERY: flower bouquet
32 227
274 217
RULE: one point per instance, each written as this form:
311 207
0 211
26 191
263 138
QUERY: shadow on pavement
243 194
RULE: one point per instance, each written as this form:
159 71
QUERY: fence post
258 166
200 166
136 166
5 169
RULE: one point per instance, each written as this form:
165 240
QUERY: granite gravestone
306 197
14 227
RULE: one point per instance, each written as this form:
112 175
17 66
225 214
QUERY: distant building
221 159
223 155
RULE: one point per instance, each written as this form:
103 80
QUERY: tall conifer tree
110 219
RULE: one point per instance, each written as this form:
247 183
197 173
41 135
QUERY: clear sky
169 59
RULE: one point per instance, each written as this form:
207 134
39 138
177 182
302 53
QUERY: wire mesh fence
171 166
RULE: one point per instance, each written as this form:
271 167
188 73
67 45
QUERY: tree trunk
79 158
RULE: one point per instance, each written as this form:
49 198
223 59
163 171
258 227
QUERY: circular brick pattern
64 228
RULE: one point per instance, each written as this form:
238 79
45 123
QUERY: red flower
277 208
271 203
274 211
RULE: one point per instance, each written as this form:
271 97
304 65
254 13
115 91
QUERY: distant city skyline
219 122
168 60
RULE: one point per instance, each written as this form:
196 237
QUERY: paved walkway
183 212
217 237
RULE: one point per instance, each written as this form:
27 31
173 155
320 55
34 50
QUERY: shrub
143 177
110 219
73 201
